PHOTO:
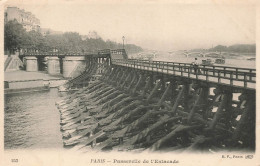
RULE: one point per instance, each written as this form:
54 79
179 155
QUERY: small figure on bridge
196 66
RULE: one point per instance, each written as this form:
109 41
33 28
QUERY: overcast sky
152 25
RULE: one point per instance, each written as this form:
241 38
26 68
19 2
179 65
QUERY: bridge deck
224 75
221 75
98 54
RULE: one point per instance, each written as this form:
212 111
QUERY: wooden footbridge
137 105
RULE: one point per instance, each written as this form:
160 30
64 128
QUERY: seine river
32 121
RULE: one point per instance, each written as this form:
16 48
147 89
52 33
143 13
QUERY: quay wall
73 66
25 84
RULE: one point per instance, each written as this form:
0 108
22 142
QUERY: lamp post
123 42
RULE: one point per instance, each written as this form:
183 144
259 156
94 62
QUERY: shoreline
22 81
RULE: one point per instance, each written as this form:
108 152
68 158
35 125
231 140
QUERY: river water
31 121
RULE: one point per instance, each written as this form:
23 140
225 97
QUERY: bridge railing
119 52
105 51
208 73
99 52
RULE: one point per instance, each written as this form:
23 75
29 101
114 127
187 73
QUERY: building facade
27 19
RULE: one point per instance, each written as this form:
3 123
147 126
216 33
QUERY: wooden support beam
126 80
154 91
121 78
139 82
179 129
165 94
247 111
146 87
162 121
131 83
203 94
186 95
178 99
218 114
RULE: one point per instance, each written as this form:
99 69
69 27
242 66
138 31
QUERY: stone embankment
22 81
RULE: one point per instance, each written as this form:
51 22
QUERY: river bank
22 81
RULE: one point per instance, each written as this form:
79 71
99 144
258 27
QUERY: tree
14 35
219 48
16 38
35 40
73 41
239 48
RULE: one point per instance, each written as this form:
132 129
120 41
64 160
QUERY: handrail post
173 68
245 80
157 66
236 73
163 66
207 75
231 78
250 76
167 67
189 72
219 80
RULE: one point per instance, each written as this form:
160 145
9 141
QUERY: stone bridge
70 64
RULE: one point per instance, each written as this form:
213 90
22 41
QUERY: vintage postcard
125 83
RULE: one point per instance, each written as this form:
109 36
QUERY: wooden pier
137 105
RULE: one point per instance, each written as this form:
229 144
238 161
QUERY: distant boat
207 62
220 61
250 59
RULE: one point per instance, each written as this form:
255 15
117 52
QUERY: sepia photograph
127 83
